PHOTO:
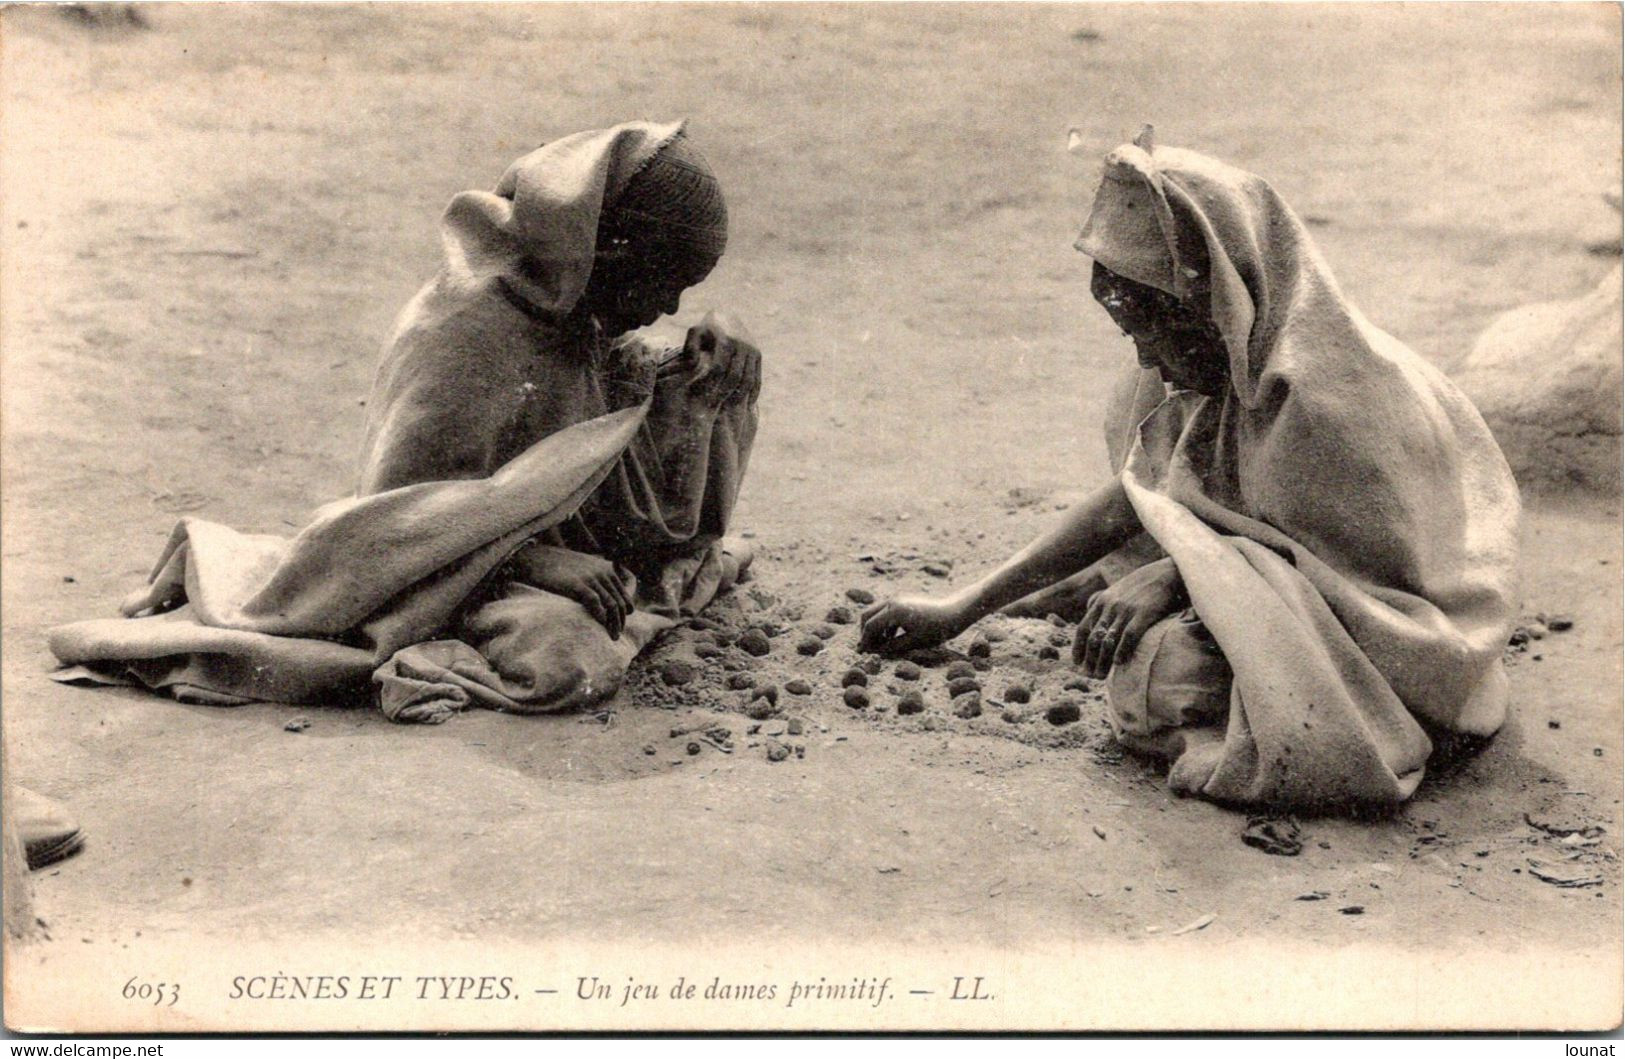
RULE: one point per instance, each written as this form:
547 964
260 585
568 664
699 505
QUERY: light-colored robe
498 417
1343 522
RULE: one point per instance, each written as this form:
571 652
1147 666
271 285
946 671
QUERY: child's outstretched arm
1095 526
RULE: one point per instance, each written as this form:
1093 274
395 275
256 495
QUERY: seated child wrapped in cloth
540 493
1306 563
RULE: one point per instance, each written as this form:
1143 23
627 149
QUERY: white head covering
1130 229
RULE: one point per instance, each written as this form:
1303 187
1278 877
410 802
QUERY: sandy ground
209 225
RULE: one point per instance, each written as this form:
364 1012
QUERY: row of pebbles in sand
767 665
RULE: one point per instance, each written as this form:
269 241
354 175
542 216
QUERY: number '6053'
157 994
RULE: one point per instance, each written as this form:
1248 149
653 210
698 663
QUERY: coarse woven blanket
498 415
1344 523
231 617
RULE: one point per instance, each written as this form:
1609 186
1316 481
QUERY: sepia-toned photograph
811 517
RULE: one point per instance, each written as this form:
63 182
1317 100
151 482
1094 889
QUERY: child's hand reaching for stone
909 623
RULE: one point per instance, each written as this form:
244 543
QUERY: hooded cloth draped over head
498 417
1343 521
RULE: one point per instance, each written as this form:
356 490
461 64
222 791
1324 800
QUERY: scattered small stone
1049 654
861 596
857 698
1353 910
1536 630
968 706
809 646
795 726
933 723
1099 833
1076 684
839 616
1596 751
936 569
854 678
675 672
298 724
1554 724
741 681
911 702
980 649
798 687
907 670
68 579
754 642
777 751
693 748
960 669
1565 875
649 749
1194 925
770 628
707 650
963 686
873 665
1312 895
931 657
1018 693
981 665
1560 623
801 751
767 692
823 632
1060 639
1278 836
1011 715
1063 713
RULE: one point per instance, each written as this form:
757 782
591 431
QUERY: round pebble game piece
1063 713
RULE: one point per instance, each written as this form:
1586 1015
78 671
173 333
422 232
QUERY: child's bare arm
1095 526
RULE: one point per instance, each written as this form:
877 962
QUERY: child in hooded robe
527 332
1304 569
540 492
